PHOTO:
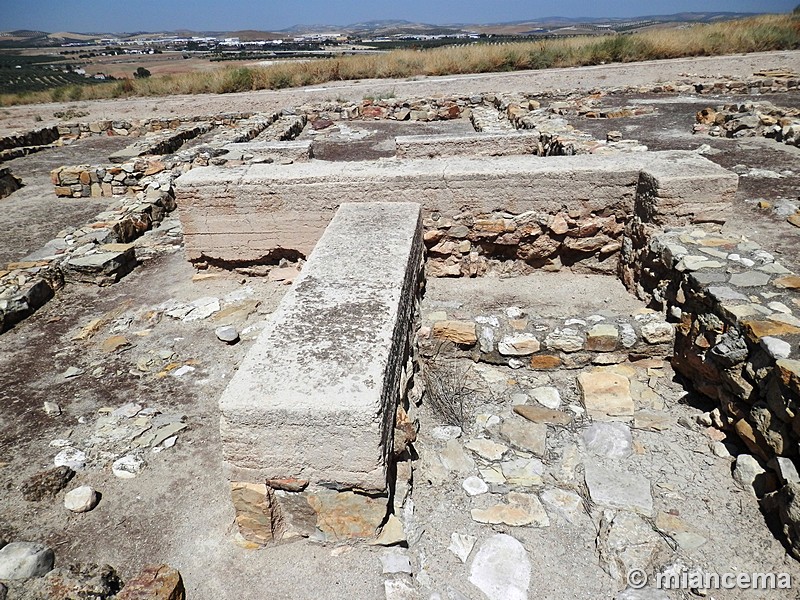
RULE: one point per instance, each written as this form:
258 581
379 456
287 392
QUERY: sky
118 16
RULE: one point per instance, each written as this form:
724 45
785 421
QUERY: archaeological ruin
485 339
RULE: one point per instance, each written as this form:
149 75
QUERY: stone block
315 397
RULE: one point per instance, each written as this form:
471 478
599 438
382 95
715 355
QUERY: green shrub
236 80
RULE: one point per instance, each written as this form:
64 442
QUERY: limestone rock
568 505
347 515
391 533
474 486
618 489
626 542
486 449
46 484
525 472
547 396
606 394
524 435
461 545
154 582
128 467
81 499
70 457
396 560
458 332
749 474
521 344
501 569
658 332
399 589
453 458
25 560
89 581
602 337
536 414
521 510
566 340
612 440
227 334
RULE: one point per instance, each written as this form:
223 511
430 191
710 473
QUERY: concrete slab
247 213
316 396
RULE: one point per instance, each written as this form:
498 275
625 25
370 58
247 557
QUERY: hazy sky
159 15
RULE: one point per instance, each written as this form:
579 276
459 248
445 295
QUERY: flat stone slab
296 150
316 395
475 144
618 489
245 213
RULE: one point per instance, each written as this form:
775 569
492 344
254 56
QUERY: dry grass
771 32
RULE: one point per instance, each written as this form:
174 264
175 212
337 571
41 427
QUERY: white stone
787 470
501 569
568 505
202 308
547 396
486 449
399 589
181 371
395 560
619 489
658 332
612 440
81 499
747 472
453 458
127 467
521 344
461 545
70 457
127 411
445 432
523 471
475 486
227 334
776 347
51 408
25 560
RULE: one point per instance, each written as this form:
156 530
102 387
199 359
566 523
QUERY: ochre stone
544 362
460 332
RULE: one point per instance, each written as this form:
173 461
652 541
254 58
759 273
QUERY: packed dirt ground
95 350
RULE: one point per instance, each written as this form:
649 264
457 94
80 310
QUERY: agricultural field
20 74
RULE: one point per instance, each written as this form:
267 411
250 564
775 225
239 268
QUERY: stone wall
99 252
738 328
498 200
521 340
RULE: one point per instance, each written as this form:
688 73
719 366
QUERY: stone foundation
520 198
317 413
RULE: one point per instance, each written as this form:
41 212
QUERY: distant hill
378 28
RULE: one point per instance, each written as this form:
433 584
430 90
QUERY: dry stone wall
737 315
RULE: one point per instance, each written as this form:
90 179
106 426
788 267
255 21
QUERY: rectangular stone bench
315 398
475 144
248 213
